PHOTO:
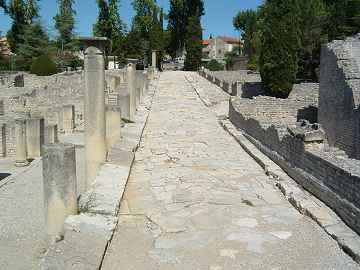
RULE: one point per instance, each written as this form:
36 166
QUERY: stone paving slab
302 200
196 200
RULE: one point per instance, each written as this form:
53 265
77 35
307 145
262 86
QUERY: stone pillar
153 59
113 125
35 130
59 180
51 134
95 122
132 90
124 101
3 140
68 118
20 133
137 88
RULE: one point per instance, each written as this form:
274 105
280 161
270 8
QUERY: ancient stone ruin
313 135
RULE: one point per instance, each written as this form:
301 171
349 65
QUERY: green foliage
214 65
4 64
344 18
230 57
102 27
22 13
3 5
253 63
35 43
43 66
146 32
193 44
246 22
280 46
313 18
177 23
65 23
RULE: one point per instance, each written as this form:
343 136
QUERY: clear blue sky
217 21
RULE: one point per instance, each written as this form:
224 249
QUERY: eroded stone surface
196 200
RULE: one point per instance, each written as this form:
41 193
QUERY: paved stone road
196 200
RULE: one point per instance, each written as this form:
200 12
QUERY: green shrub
43 66
214 65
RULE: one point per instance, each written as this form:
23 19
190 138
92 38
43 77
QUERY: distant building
216 48
5 48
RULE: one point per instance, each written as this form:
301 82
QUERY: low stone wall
325 172
47 97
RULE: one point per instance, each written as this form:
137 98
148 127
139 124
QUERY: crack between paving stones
118 208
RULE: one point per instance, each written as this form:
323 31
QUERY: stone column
35 130
132 90
59 180
113 125
51 134
95 122
124 101
3 140
20 133
68 118
153 59
137 88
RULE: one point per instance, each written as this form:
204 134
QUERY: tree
3 5
313 18
65 23
31 11
193 44
280 45
35 43
146 26
246 23
118 28
344 18
102 28
176 27
22 14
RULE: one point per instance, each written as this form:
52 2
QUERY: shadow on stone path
196 200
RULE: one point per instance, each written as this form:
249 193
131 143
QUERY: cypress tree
35 43
65 22
177 27
193 44
102 28
280 45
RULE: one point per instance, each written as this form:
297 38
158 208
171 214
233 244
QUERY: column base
21 163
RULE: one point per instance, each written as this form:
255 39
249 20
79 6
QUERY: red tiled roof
206 42
230 40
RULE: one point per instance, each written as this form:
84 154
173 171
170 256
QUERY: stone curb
302 200
87 235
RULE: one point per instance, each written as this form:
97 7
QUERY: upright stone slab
51 134
132 90
113 125
35 129
20 133
95 122
153 59
68 118
60 190
137 88
3 141
124 101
